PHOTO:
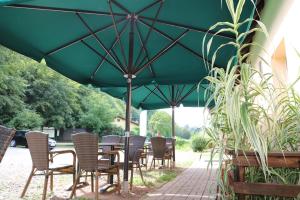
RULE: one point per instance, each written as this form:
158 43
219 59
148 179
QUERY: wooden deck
196 182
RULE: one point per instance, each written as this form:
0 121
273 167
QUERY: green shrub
180 141
183 144
199 143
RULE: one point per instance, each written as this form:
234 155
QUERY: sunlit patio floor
196 182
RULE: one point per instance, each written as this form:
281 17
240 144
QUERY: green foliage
26 119
183 132
167 176
199 143
112 130
97 113
182 144
135 131
12 95
161 122
61 103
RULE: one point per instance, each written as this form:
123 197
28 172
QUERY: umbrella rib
111 48
98 40
169 89
158 95
193 28
163 94
120 6
147 96
162 52
177 88
171 39
148 6
65 10
187 94
117 32
180 91
149 32
144 48
55 50
100 55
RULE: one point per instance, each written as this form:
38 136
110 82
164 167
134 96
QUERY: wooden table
113 146
242 160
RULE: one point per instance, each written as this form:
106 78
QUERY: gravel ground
15 169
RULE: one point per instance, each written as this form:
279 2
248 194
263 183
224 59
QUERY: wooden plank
266 189
270 154
277 162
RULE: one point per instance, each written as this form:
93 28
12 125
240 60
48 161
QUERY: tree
97 112
12 88
161 122
52 96
26 119
183 132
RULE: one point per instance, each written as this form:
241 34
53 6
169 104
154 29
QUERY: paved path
196 182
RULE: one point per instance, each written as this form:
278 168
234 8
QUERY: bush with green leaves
199 143
26 119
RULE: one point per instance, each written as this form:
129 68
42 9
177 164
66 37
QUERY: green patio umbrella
114 43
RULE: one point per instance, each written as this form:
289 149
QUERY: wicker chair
169 144
160 151
42 161
135 153
86 147
6 135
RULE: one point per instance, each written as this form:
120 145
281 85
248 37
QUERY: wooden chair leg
45 185
108 179
92 182
154 163
51 181
131 178
139 166
75 185
27 183
151 163
97 186
118 179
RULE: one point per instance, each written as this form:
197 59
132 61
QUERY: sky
193 117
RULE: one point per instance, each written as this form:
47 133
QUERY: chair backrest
86 147
158 146
136 143
38 146
6 135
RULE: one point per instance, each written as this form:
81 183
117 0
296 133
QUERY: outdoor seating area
156 99
93 159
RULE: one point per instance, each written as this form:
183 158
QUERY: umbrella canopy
155 96
100 41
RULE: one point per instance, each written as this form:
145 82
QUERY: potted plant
249 113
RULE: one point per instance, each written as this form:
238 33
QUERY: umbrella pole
127 134
173 134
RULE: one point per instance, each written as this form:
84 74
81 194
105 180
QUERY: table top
111 144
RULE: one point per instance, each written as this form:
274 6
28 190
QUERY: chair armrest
55 153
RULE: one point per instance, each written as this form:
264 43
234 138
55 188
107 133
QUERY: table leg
111 177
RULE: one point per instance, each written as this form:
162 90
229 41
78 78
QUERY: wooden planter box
274 160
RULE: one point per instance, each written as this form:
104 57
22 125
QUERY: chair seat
130 164
59 166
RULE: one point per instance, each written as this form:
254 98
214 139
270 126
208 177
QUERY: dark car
20 139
